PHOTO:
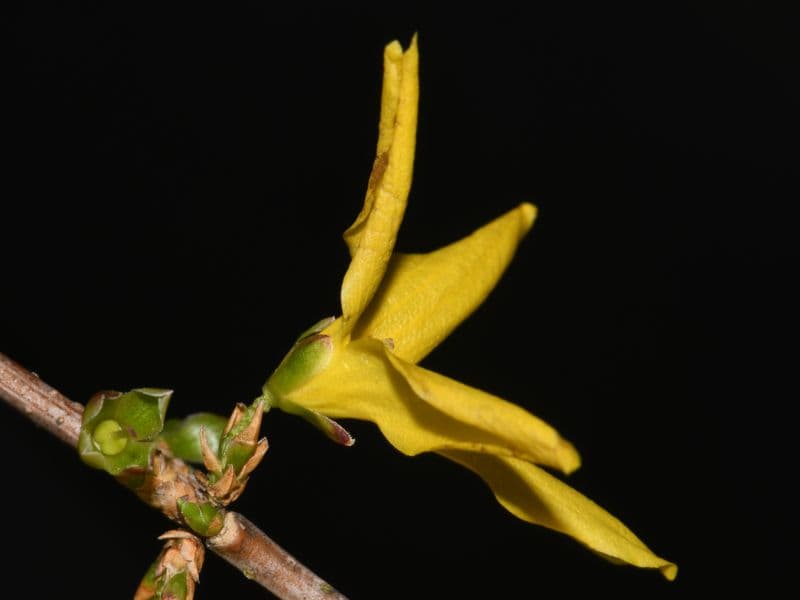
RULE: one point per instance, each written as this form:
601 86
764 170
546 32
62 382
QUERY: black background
175 186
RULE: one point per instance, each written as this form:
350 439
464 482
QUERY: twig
240 542
259 558
43 405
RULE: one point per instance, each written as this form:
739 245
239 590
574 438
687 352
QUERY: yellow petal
390 95
423 297
525 435
371 237
362 382
533 495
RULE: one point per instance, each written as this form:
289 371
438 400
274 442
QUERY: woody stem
240 542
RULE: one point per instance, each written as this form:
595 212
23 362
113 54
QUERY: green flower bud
183 435
237 454
175 573
203 518
177 588
238 444
310 354
118 430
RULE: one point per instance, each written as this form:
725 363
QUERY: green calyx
315 328
118 430
310 354
204 518
326 425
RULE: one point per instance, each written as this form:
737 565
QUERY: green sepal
141 412
183 435
326 425
135 456
203 518
307 357
315 328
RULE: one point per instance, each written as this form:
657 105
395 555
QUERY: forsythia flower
395 309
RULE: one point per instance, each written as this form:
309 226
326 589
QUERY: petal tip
393 50
669 571
529 213
569 458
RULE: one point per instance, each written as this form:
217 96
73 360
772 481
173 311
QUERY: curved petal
371 237
533 495
423 297
361 382
520 431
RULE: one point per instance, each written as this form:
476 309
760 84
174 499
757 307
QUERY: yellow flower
395 309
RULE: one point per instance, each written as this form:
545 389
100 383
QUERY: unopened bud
118 431
176 572
203 518
109 437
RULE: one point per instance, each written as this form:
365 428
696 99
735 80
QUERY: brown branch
42 404
259 558
240 542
